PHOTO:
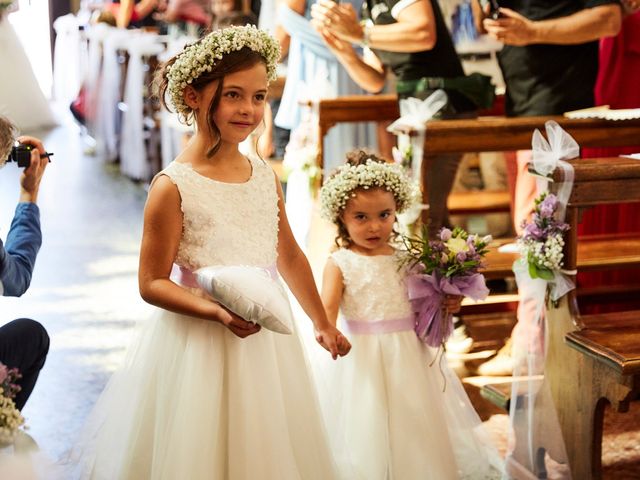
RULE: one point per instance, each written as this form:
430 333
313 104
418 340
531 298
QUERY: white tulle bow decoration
552 153
414 114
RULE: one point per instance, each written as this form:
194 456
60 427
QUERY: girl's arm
332 288
294 268
160 240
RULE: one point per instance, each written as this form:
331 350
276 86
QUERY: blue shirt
18 256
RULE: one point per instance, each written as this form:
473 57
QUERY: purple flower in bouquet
542 239
447 266
8 377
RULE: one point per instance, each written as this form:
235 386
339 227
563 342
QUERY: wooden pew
591 360
367 108
384 107
353 108
491 134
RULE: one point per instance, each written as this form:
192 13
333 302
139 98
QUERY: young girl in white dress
395 413
204 394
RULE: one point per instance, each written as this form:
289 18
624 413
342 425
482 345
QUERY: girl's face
369 218
242 102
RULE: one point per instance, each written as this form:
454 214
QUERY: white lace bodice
375 287
226 223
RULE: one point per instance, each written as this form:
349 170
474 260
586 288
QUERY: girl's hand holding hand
333 341
238 326
452 303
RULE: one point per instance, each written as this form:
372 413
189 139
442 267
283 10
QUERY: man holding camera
24 343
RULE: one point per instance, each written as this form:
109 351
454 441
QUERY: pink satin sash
382 326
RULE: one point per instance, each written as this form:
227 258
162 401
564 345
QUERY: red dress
618 85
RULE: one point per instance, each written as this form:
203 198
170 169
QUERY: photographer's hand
32 175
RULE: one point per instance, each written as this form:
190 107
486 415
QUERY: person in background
310 61
134 13
184 13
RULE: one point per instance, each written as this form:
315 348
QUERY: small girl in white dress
394 417
206 395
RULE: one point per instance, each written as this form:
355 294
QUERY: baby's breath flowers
542 239
202 56
341 186
10 418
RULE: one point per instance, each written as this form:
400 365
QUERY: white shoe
499 366
459 341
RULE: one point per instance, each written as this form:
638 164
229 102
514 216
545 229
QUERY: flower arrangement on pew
542 240
448 265
403 155
10 418
541 244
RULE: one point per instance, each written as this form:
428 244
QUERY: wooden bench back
495 134
597 181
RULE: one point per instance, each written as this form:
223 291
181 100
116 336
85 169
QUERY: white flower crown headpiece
202 56
341 186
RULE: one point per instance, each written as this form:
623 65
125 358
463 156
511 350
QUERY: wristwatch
366 25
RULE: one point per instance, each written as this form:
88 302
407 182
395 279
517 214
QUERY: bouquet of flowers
10 418
542 239
446 266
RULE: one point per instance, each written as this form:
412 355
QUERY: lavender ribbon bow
426 293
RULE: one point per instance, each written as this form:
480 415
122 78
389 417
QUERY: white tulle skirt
392 416
195 402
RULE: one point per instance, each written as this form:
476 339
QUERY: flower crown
202 56
340 187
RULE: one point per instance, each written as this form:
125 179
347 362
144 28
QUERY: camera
20 153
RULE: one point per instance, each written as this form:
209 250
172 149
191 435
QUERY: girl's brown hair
231 62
